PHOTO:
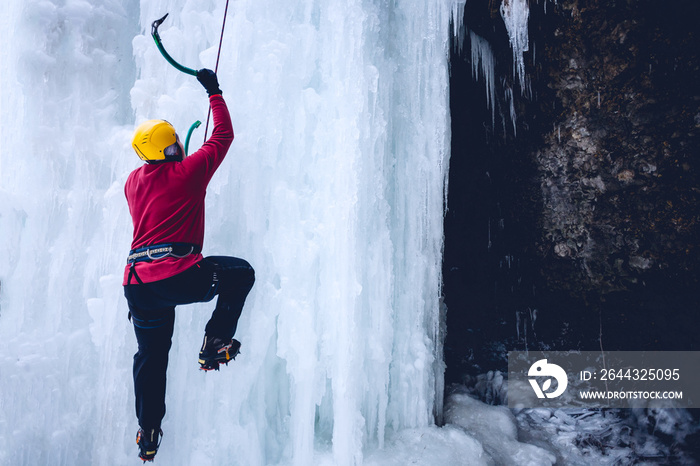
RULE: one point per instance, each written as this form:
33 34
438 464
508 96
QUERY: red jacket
166 200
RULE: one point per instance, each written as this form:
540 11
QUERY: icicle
511 105
458 30
484 64
527 92
489 244
515 14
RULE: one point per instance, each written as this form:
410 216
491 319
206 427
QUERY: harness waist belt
161 251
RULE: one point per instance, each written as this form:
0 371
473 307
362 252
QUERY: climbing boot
216 351
148 441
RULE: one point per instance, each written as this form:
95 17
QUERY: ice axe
179 67
184 69
166 55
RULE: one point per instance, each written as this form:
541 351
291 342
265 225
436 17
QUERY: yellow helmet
151 138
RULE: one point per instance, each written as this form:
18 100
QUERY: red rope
216 69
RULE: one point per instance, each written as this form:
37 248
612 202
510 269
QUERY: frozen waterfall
333 189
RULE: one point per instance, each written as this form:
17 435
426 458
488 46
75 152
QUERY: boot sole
213 363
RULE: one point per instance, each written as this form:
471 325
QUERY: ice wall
333 190
66 73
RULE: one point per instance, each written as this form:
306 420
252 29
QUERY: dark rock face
619 169
582 227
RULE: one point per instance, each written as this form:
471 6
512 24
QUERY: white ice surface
334 190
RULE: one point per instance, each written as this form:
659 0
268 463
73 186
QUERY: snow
496 429
571 436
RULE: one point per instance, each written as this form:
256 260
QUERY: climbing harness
156 252
161 251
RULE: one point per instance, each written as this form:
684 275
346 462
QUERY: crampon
216 351
148 441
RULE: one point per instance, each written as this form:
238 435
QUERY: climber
165 266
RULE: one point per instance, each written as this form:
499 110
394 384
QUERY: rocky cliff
618 170
573 207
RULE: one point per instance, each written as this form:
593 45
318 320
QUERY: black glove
208 79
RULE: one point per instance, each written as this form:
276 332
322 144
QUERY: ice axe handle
166 55
189 135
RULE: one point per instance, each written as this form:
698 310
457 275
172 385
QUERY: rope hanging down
216 69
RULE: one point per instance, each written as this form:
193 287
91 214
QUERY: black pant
152 307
